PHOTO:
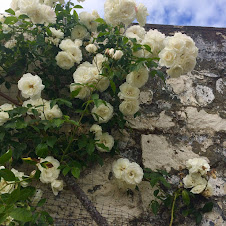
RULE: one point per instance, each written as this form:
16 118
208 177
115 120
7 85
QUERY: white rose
102 84
188 63
117 11
194 179
155 40
167 57
142 13
6 107
76 54
138 78
119 167
79 32
65 60
128 92
57 33
96 129
14 5
6 187
83 93
57 185
38 104
117 55
198 165
48 14
175 71
175 43
104 113
136 31
208 192
105 139
110 52
88 20
66 44
30 86
10 44
91 48
50 113
133 174
20 176
198 189
98 60
129 107
4 117
48 175
78 42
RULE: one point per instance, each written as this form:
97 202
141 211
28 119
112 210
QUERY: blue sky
211 13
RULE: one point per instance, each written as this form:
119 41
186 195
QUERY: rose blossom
105 139
119 167
30 86
104 112
129 107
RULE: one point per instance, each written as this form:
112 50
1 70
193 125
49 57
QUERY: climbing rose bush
78 77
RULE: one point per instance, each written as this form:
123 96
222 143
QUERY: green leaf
10 20
42 150
66 170
113 86
21 214
10 11
41 202
75 92
78 7
27 192
21 124
14 196
164 182
51 141
82 142
6 157
156 192
7 175
155 206
198 217
185 197
75 172
95 96
57 122
2 208
100 20
23 16
207 207
90 147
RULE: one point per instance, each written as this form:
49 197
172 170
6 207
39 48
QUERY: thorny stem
9 99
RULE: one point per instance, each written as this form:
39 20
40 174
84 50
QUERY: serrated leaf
21 214
27 192
10 20
90 147
6 157
156 192
198 217
113 86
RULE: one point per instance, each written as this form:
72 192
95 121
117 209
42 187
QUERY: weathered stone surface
157 153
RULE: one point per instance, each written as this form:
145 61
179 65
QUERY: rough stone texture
181 119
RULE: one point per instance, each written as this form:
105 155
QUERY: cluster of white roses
10 186
39 11
129 91
70 55
102 138
128 174
124 11
4 115
197 177
31 87
179 54
50 173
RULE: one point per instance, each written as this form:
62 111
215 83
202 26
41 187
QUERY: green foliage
169 197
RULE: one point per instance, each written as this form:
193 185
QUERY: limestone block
204 95
157 153
201 120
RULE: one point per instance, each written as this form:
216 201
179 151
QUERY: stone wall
180 119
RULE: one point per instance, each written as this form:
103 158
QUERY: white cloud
175 12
